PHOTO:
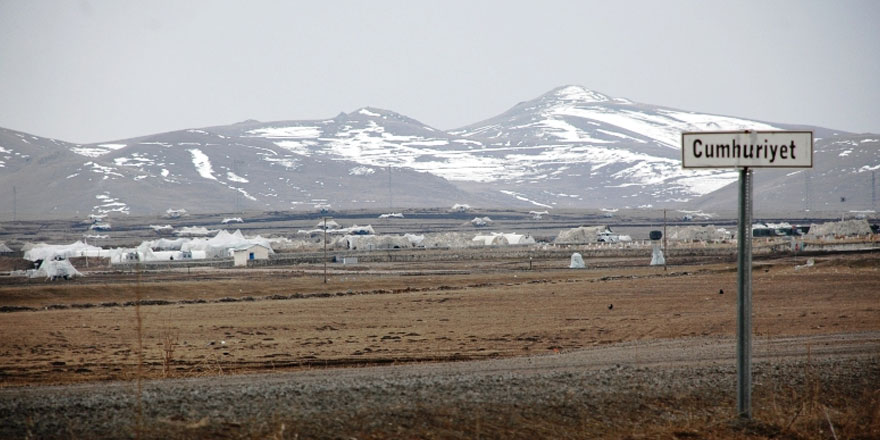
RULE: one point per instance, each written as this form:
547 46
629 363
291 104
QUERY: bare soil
208 323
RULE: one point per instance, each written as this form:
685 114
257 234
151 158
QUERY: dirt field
212 322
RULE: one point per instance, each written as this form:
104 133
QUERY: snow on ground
235 177
286 162
298 147
202 164
136 160
523 198
7 155
103 169
361 171
366 112
96 150
287 132
109 204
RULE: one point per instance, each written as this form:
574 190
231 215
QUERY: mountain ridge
571 147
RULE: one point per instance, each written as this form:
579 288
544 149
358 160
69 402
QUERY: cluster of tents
53 259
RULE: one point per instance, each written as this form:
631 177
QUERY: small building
250 252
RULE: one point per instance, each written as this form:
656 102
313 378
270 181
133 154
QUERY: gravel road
596 385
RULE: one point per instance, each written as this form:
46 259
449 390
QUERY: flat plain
500 347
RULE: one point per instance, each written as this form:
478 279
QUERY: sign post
744 297
744 150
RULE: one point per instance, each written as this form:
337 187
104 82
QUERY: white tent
844 228
481 222
577 261
699 233
193 231
162 228
368 242
415 240
491 240
331 224
164 244
220 244
501 239
581 235
56 268
43 251
448 240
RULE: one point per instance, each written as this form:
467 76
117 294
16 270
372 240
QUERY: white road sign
747 149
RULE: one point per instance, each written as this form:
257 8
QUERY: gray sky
88 71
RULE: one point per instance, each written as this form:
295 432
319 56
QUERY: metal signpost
744 150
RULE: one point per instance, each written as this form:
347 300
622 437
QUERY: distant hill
569 148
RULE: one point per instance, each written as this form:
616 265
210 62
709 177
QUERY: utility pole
665 253
390 195
806 190
14 204
325 249
874 190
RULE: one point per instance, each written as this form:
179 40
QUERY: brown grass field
281 318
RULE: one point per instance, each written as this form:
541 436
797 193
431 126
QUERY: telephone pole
665 252
325 249
390 195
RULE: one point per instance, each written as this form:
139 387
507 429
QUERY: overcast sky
89 71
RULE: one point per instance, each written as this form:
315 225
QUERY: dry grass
436 317
689 416
381 319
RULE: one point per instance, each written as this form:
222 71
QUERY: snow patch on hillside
202 163
296 132
361 171
94 151
235 177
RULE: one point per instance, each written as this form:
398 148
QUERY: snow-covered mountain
569 148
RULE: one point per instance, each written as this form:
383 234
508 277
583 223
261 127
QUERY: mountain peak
578 94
